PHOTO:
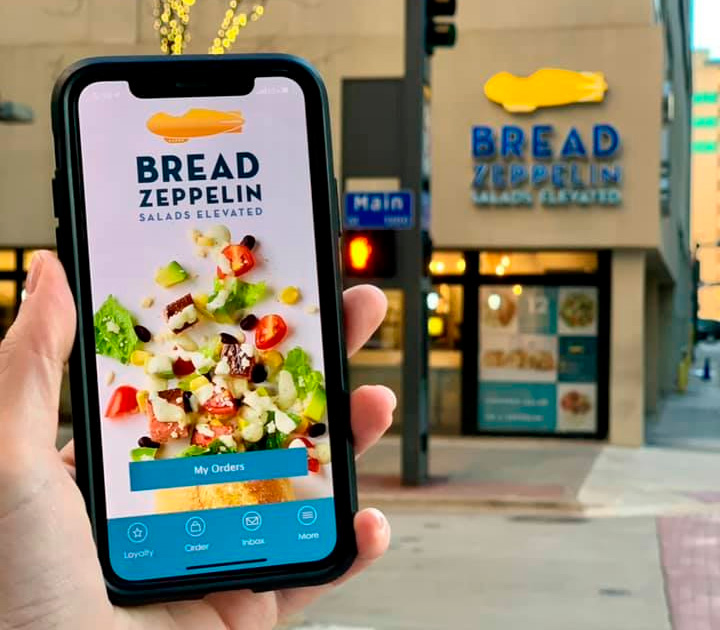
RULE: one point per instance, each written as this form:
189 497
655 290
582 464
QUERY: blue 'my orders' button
208 469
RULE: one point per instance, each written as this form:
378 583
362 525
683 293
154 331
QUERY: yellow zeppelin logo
195 123
547 87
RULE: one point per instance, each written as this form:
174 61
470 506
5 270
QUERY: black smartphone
198 223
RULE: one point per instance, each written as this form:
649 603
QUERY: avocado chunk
316 407
173 273
142 454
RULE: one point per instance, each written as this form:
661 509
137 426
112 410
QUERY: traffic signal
369 254
443 33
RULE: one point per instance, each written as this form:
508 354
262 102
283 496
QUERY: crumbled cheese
219 300
187 316
113 327
194 404
204 429
223 367
109 378
165 411
205 393
147 302
297 443
247 350
284 423
227 440
270 427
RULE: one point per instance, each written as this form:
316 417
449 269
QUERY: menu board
538 359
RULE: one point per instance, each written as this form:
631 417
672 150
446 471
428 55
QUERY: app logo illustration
195 123
547 87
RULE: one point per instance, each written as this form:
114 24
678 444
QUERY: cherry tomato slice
204 440
241 260
313 464
270 331
123 402
221 404
181 367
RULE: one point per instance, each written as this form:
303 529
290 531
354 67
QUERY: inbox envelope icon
195 123
252 521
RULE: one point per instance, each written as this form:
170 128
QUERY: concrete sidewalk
588 478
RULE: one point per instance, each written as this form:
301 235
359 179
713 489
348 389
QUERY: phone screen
207 330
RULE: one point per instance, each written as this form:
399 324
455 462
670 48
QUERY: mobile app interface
207 330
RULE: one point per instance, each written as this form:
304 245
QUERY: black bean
259 373
143 333
147 442
227 338
239 401
186 401
316 430
248 322
248 241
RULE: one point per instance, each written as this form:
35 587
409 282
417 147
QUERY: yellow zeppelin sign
547 87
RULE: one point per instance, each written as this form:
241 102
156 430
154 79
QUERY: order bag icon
195 526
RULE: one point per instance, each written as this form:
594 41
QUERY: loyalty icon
137 532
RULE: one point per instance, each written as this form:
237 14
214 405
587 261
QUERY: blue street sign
379 210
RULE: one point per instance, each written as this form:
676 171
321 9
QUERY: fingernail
33 276
380 520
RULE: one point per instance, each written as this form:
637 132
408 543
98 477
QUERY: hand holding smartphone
198 224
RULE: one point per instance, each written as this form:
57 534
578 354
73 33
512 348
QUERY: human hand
51 577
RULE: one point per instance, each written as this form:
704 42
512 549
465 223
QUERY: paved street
467 571
692 420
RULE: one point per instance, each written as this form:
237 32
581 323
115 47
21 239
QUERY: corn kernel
140 357
205 241
215 423
142 398
198 382
290 295
272 359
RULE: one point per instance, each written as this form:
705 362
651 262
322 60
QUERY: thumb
33 353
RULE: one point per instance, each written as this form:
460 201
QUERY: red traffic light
360 250
369 254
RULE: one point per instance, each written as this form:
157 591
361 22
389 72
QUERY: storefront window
537 263
445 314
7 259
7 305
447 264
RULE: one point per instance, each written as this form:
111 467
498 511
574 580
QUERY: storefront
560 303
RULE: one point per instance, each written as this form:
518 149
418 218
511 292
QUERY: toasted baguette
223 495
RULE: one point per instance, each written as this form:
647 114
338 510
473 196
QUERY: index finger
365 307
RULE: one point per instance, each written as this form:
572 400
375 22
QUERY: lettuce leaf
193 451
306 379
115 331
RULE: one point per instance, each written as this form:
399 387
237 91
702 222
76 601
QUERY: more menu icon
307 515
